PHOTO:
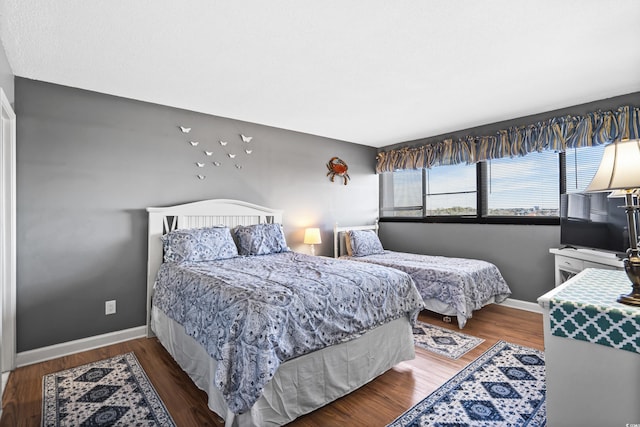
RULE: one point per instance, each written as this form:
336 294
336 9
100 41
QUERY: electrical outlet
110 307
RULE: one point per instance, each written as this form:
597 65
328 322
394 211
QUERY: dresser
569 262
592 351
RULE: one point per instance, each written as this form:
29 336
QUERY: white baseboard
522 305
64 349
5 378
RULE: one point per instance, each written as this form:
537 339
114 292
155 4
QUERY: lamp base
632 267
631 299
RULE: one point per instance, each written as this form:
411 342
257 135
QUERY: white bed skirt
300 385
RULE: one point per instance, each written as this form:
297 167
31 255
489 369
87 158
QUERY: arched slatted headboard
339 245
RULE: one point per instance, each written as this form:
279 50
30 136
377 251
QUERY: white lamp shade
619 168
312 236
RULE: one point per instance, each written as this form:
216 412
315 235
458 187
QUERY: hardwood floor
375 404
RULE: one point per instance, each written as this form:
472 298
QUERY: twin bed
267 333
449 286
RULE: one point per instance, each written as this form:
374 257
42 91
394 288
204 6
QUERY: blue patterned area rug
111 392
505 386
443 341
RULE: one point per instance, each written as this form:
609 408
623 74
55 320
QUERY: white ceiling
372 72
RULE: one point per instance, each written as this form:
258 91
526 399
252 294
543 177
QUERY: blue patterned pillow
260 239
199 244
364 242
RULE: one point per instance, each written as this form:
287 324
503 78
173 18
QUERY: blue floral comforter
253 313
464 284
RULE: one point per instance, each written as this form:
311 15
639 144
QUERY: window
451 190
441 191
581 166
524 186
514 190
401 193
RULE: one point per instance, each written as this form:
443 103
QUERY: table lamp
312 237
619 171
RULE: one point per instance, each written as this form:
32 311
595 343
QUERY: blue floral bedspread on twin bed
253 313
463 284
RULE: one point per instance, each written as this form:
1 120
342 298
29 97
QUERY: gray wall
521 252
493 128
88 166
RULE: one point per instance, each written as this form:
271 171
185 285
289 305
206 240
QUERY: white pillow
363 243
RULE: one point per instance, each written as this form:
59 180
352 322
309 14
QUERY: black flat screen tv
592 220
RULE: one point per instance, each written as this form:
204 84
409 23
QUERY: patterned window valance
557 133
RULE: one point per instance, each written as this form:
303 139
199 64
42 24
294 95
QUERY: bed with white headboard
297 387
205 213
449 286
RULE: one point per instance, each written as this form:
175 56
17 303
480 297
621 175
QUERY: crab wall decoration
338 167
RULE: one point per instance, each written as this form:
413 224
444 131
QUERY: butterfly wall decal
246 138
238 166
248 151
216 163
233 156
209 153
201 176
194 143
200 165
184 129
223 143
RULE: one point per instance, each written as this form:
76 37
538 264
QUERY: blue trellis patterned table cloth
586 309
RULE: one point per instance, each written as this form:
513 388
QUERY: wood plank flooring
376 404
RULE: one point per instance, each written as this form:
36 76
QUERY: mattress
448 285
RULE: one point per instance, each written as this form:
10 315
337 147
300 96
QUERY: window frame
481 216
426 193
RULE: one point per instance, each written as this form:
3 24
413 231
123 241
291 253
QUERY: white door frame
7 238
